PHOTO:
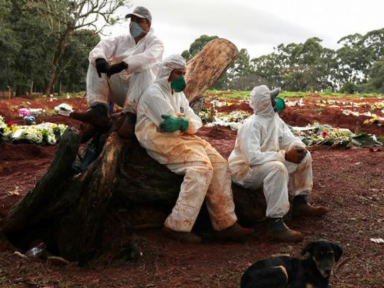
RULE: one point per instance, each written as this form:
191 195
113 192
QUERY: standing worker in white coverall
266 154
135 59
166 128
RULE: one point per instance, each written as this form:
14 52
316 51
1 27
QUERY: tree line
358 66
44 47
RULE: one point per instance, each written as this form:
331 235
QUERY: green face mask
178 84
280 105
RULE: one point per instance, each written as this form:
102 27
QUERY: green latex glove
172 123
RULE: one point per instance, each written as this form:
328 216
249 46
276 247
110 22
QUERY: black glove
117 68
102 66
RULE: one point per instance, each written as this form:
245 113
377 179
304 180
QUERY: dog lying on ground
284 271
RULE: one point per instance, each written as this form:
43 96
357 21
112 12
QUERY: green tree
352 60
197 46
376 78
9 46
66 16
72 77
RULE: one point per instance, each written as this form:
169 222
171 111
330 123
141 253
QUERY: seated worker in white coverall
266 154
135 59
166 128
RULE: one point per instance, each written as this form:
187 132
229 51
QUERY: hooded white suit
258 159
143 59
207 175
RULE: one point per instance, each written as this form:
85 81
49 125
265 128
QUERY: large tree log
123 182
206 67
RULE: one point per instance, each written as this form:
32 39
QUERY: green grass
288 94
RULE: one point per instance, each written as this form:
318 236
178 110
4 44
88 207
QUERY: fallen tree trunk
70 211
206 67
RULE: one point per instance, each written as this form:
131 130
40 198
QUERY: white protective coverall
258 159
126 87
207 174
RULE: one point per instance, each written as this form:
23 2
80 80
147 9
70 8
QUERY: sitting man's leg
302 183
273 177
219 197
197 177
138 82
97 96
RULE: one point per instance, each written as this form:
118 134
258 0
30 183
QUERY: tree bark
205 68
124 182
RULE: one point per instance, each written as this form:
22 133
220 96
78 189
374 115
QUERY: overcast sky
258 25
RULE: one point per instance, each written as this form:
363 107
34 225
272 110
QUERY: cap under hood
260 100
168 65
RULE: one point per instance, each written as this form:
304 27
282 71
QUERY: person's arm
105 49
141 62
250 146
194 120
289 140
155 106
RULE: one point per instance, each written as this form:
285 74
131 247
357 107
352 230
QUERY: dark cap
275 92
140 12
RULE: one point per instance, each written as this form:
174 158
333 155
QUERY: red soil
349 182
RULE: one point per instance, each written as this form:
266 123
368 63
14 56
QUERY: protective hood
260 101
169 64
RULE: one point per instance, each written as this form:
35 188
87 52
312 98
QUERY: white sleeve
250 146
141 62
104 49
194 121
155 106
290 140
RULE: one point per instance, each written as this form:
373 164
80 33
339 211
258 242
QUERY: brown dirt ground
349 182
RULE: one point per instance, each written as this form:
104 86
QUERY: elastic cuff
184 124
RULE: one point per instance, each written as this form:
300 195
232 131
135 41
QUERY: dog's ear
338 251
308 248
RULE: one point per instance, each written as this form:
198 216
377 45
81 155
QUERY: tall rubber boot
96 115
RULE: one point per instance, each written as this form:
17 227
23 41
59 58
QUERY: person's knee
278 168
307 159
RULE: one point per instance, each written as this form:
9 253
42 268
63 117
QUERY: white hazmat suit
143 59
207 174
258 159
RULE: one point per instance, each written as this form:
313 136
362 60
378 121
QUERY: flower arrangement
232 120
318 134
44 133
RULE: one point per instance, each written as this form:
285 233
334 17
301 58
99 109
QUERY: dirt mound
21 152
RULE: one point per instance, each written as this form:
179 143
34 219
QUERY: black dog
284 271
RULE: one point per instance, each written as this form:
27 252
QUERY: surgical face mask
280 105
178 84
135 29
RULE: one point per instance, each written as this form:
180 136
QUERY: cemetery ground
348 181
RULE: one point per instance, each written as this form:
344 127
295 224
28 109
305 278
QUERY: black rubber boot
182 237
234 232
127 128
280 231
301 207
96 115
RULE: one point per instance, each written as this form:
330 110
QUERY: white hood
260 101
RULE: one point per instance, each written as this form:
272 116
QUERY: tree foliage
308 66
43 31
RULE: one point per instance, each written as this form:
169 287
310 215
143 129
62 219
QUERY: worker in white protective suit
135 60
166 128
266 154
